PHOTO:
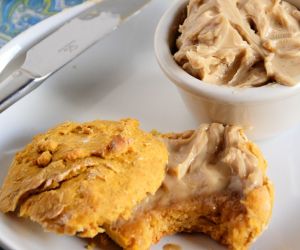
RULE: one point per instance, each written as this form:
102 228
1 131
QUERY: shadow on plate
33 231
184 240
101 241
190 241
108 64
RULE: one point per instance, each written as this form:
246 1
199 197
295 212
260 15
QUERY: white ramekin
263 112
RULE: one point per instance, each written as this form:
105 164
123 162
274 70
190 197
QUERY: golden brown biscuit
77 177
216 184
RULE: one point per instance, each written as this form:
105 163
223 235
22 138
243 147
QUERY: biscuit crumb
90 246
76 154
47 145
44 159
171 246
117 145
101 241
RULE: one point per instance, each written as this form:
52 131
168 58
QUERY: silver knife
65 44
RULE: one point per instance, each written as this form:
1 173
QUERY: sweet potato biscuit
77 177
216 184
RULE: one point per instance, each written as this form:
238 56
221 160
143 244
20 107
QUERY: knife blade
64 45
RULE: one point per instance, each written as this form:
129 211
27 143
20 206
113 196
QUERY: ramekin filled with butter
235 61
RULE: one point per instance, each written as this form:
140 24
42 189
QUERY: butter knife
65 44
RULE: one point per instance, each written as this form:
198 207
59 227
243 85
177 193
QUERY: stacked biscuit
112 177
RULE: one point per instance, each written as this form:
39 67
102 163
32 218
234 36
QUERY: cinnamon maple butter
244 43
213 159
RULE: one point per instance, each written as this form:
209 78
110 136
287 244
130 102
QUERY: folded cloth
18 15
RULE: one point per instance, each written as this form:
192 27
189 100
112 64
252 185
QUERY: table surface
18 15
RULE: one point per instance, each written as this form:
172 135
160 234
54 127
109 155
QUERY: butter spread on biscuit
211 159
245 43
215 184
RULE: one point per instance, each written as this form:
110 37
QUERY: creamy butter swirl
212 159
244 43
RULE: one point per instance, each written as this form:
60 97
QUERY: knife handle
17 85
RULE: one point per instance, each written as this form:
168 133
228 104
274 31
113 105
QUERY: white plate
119 77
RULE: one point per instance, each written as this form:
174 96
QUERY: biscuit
78 177
215 184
